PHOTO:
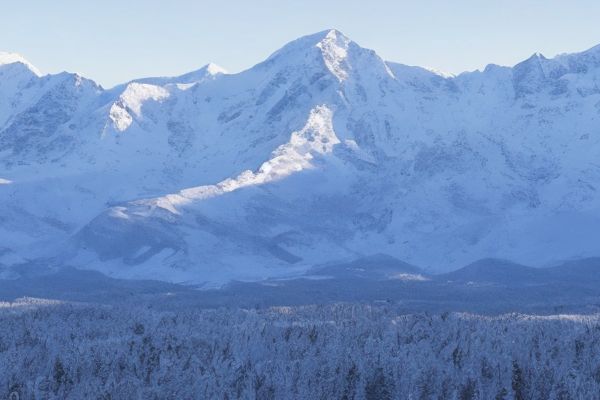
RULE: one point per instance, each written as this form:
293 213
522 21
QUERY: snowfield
322 153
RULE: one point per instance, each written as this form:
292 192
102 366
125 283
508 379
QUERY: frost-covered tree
341 351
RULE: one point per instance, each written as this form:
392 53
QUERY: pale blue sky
112 41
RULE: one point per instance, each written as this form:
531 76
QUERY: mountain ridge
324 151
592 54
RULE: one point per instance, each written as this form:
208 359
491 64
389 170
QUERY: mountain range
322 153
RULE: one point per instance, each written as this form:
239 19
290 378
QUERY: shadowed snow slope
323 152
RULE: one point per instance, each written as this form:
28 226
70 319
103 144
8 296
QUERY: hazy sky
112 41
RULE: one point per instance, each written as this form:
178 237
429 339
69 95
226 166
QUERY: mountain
493 271
208 72
372 267
323 152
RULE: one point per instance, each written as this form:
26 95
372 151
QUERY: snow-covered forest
53 350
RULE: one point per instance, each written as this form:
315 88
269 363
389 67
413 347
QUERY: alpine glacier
323 152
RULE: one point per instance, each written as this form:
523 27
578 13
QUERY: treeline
346 351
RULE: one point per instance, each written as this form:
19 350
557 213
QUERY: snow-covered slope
323 152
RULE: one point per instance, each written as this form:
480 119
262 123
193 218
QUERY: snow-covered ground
322 152
344 351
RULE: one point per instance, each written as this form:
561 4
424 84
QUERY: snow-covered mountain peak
534 59
214 69
208 72
136 93
334 47
539 73
131 101
330 46
328 53
306 46
440 73
13 58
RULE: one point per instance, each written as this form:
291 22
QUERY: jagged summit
312 40
309 45
341 56
7 58
566 59
534 59
333 45
334 48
